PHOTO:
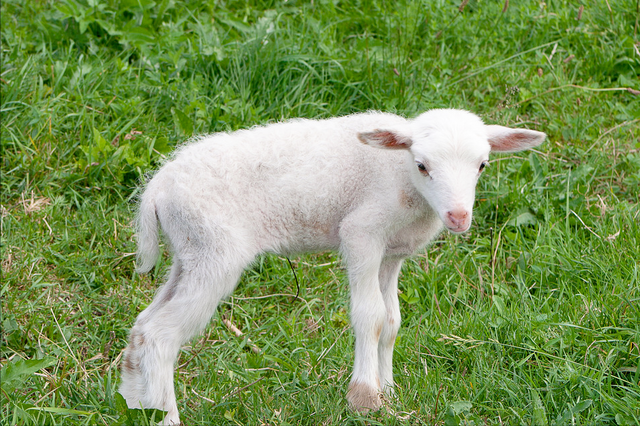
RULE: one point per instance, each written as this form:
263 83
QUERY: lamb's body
345 178
295 187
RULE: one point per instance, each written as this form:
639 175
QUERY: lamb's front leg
367 319
388 277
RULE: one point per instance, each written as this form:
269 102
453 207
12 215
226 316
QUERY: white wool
374 186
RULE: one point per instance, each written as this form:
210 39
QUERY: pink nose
458 220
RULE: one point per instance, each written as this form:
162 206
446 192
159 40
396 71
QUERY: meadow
532 317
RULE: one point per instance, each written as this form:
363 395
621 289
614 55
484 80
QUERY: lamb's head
450 149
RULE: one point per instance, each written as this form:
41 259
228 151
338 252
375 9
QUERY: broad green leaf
138 36
498 302
581 406
183 121
460 407
59 410
524 218
101 143
451 418
161 144
539 412
16 372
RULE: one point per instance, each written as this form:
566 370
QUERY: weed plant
532 317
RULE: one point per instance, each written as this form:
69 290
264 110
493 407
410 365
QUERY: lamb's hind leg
141 384
181 309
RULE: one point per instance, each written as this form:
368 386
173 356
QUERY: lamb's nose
458 219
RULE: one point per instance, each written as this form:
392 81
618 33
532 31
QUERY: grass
530 318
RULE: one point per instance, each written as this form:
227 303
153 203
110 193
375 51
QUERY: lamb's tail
147 235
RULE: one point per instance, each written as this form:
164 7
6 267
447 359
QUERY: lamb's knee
368 313
391 327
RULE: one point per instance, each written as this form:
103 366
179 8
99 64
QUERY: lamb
374 186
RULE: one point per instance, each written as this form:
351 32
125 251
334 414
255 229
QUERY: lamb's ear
504 139
389 139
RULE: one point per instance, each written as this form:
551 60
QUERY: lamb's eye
422 168
482 166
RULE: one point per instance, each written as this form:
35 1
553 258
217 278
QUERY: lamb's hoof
363 398
171 419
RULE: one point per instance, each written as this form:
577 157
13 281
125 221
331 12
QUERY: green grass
530 318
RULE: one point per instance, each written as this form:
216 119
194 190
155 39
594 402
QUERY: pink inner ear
386 139
390 140
513 140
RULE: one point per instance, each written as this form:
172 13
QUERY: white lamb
374 186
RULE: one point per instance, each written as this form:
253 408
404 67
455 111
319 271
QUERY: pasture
531 317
